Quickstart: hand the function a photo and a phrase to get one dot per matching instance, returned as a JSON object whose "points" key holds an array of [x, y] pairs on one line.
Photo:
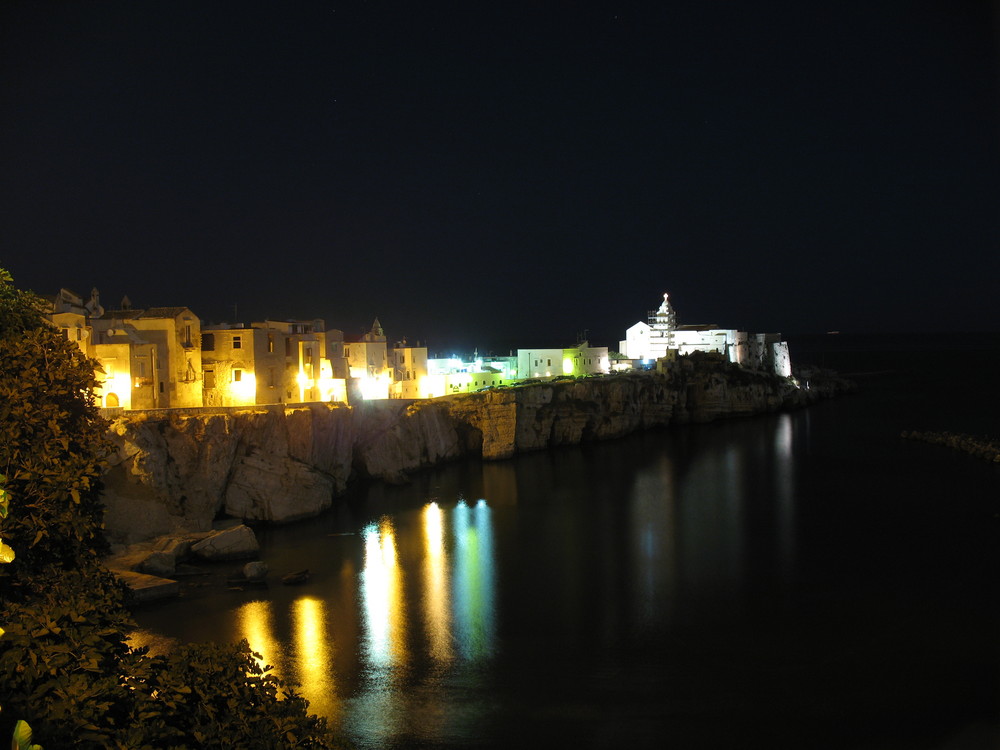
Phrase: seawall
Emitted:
{"points": [[178, 470]]}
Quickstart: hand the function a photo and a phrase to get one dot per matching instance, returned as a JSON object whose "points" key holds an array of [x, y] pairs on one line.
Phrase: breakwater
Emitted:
{"points": [[980, 447], [180, 470]]}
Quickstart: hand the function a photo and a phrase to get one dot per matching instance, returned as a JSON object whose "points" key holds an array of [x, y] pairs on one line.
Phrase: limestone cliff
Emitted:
{"points": [[181, 469]]}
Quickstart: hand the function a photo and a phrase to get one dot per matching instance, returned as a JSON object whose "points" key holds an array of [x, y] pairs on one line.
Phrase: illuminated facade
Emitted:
{"points": [[661, 338], [368, 363], [539, 363], [584, 359], [409, 371], [273, 362], [166, 353], [451, 375], [149, 358]]}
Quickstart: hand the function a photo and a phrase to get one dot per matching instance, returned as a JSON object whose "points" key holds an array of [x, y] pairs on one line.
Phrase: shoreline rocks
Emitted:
{"points": [[168, 558], [983, 448]]}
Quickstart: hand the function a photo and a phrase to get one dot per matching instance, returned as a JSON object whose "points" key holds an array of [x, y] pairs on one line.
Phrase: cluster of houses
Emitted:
{"points": [[163, 357]]}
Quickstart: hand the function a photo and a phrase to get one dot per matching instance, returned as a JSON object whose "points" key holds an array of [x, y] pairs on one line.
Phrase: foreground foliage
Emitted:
{"points": [[66, 667]]}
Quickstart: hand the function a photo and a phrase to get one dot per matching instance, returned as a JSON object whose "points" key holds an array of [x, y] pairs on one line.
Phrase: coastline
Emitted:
{"points": [[182, 476]]}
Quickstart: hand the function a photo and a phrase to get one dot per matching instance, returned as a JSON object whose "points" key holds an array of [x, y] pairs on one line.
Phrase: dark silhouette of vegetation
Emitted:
{"points": [[65, 664]]}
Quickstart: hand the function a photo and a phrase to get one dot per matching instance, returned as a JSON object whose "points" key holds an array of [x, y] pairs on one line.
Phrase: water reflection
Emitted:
{"points": [[455, 589], [784, 494], [256, 625], [313, 647], [474, 580], [436, 599], [654, 539], [382, 599]]}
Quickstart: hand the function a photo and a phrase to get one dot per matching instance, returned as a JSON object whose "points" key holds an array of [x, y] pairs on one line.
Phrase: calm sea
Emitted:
{"points": [[805, 579]]}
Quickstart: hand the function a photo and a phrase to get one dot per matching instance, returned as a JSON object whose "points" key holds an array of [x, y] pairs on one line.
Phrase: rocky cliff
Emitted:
{"points": [[181, 469]]}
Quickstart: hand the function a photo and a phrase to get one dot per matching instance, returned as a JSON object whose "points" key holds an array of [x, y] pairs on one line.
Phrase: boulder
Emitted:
{"points": [[162, 564], [255, 571], [176, 547], [230, 544]]}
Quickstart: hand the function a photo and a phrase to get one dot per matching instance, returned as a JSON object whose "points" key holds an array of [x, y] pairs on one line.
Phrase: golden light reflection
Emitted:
{"points": [[313, 663], [436, 599], [155, 642], [256, 624], [382, 595]]}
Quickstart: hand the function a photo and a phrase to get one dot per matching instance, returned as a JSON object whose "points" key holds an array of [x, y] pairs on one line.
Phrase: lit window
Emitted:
{"points": [[237, 375]]}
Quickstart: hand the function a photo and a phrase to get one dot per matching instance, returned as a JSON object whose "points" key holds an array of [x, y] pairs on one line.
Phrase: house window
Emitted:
{"points": [[288, 347], [237, 375], [208, 342], [209, 377], [270, 343], [550, 363], [237, 342]]}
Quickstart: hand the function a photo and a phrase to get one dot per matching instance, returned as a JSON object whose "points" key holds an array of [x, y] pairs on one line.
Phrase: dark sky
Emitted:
{"points": [[497, 174]]}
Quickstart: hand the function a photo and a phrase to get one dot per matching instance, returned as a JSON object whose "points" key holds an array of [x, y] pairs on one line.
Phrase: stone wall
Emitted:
{"points": [[178, 470]]}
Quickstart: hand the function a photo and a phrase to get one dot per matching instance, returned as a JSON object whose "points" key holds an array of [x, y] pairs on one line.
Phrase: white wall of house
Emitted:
{"points": [[539, 363]]}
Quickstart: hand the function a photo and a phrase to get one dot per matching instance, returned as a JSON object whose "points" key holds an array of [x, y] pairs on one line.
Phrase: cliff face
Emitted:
{"points": [[183, 468]]}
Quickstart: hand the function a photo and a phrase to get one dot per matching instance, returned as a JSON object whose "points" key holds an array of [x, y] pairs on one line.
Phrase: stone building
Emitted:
{"points": [[273, 362], [165, 343], [149, 358]]}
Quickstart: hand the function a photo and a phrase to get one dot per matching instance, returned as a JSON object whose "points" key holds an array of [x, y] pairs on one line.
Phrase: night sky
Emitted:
{"points": [[504, 174]]}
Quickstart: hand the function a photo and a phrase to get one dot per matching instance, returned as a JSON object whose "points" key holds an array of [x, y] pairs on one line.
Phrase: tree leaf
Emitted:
{"points": [[21, 739]]}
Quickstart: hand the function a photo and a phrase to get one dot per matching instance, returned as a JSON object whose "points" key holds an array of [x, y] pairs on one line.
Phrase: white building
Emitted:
{"points": [[409, 371], [661, 338], [368, 361]]}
